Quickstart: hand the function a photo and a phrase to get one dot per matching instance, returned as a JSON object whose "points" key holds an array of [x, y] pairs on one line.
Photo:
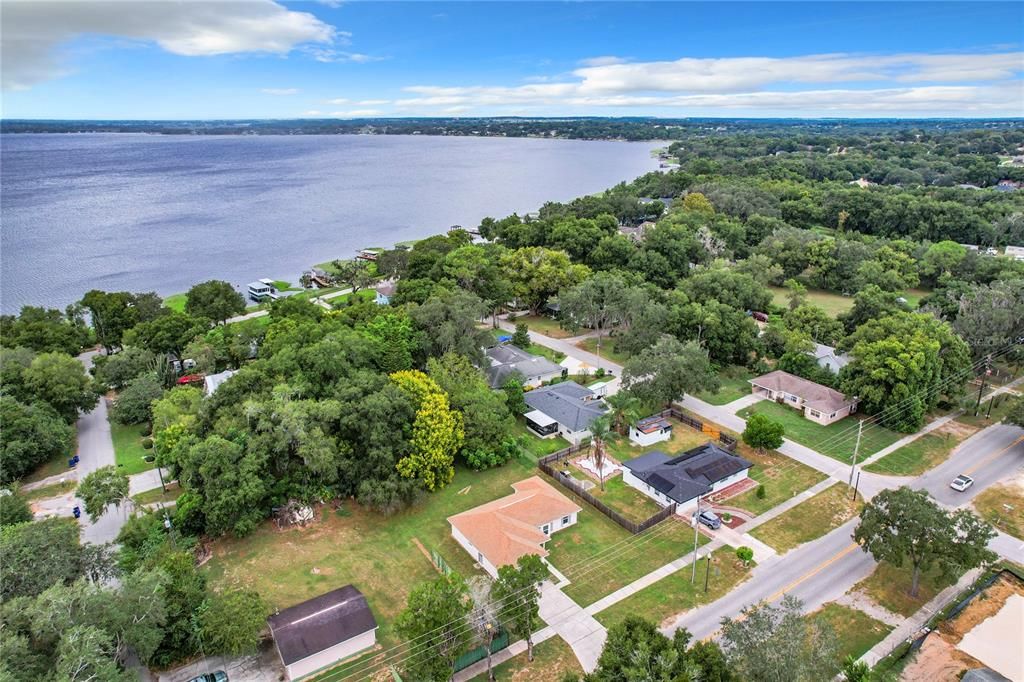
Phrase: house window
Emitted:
{"points": [[791, 398], [814, 413], [479, 557], [832, 415], [546, 529], [565, 520]]}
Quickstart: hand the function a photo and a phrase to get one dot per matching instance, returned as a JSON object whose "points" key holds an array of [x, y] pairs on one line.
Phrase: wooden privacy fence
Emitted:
{"points": [[727, 442]]}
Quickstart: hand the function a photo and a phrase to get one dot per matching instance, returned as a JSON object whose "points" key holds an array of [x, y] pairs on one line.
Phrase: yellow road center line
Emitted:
{"points": [[992, 456]]}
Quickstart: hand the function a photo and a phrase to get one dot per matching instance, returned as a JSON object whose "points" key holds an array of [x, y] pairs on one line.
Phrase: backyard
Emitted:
{"points": [[810, 520], [837, 440], [683, 438], [128, 451], [534, 446], [734, 385], [675, 593], [855, 632], [624, 499]]}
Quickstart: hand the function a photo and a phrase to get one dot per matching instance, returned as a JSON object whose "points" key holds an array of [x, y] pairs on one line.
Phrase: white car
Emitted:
{"points": [[961, 483]]}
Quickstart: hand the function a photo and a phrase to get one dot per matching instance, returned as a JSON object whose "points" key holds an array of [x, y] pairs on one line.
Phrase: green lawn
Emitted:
{"points": [[552, 658], [54, 466], [831, 302], [810, 519], [608, 351], [176, 302], [52, 490], [855, 631], [675, 593], [1002, 505], [915, 458], [128, 450], [544, 325], [836, 440], [536, 447], [376, 553], [683, 438], [346, 299], [157, 495], [780, 476], [624, 499], [734, 385], [572, 551], [889, 586]]}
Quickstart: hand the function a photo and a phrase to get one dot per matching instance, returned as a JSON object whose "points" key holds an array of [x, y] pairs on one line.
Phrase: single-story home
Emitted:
{"points": [[818, 403], [684, 478], [650, 430], [566, 409], [385, 290], [499, 532], [506, 359], [213, 381], [322, 631], [829, 358]]}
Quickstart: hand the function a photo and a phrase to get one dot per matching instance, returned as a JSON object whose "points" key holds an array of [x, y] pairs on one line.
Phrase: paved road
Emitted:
{"points": [[989, 456], [319, 300]]}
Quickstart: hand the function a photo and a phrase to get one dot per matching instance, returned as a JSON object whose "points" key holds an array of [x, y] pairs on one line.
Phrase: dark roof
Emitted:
{"points": [[320, 623], [688, 475], [506, 359], [984, 675], [652, 424], [568, 403]]}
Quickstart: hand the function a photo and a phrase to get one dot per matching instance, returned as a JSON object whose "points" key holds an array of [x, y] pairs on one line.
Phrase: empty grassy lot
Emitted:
{"points": [[128, 451], [923, 454], [832, 303], [734, 385], [552, 659], [544, 325], [608, 351], [836, 440], [780, 476], [376, 553], [889, 586], [811, 519], [1003, 506], [675, 593], [855, 631]]}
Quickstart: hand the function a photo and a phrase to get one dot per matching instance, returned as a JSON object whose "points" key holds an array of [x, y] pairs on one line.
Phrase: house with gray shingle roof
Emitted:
{"points": [[685, 477], [506, 359], [829, 358], [566, 409]]}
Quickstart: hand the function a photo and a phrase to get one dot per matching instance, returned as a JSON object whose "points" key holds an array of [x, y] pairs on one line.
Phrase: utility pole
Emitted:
{"points": [[706, 574], [988, 413], [856, 449], [981, 389], [856, 487], [696, 535]]}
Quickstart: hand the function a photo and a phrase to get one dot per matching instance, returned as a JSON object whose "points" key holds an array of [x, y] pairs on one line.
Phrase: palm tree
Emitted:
{"points": [[625, 410], [600, 429]]}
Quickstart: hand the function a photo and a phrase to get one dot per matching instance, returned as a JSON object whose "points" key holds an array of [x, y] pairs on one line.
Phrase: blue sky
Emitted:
{"points": [[266, 59]]}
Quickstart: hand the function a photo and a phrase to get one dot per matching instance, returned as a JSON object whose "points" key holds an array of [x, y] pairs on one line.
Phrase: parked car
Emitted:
{"points": [[216, 676], [961, 483], [710, 519]]}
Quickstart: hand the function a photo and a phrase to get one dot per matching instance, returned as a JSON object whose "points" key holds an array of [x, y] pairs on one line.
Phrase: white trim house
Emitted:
{"points": [[684, 478], [566, 409], [818, 403]]}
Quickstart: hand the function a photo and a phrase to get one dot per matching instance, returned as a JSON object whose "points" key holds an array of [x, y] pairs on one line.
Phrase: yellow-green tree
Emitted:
{"points": [[437, 431]]}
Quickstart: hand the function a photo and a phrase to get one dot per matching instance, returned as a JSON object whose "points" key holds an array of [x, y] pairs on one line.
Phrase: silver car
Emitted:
{"points": [[961, 483], [217, 676]]}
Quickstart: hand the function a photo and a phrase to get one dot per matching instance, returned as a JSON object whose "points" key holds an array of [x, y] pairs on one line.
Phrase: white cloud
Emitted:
{"points": [[602, 61], [338, 100], [280, 91], [327, 55], [373, 102], [313, 112], [33, 30], [357, 113]]}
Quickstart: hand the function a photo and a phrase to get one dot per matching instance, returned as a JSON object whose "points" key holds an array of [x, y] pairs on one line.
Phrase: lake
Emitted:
{"points": [[160, 213]]}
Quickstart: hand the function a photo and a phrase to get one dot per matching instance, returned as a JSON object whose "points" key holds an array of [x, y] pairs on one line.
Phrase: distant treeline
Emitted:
{"points": [[572, 128]]}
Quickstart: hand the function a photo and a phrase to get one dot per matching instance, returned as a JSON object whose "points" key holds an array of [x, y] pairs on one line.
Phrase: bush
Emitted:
{"points": [[761, 492], [147, 443], [763, 432], [14, 509], [745, 554]]}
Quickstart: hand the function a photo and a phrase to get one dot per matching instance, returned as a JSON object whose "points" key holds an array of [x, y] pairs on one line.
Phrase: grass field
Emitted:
{"points": [[552, 658], [55, 465], [157, 495], [377, 554], [889, 586], [830, 302], [734, 386], [1003, 506], [855, 631], [608, 351], [176, 302], [544, 325], [916, 458], [52, 490], [572, 551], [811, 519], [836, 440], [780, 476], [624, 499], [345, 299], [675, 593], [128, 450]]}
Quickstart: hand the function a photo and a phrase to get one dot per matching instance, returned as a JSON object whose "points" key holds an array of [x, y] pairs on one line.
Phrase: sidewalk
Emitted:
{"points": [[574, 624], [914, 623]]}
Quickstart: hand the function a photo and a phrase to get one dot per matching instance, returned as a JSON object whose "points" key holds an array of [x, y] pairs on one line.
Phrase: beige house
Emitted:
{"points": [[319, 632], [496, 534], [818, 403]]}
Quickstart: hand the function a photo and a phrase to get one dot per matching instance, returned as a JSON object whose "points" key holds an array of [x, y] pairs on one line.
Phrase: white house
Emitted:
{"points": [[566, 409], [684, 478], [499, 532], [818, 403], [829, 358], [213, 381], [506, 360], [650, 431], [320, 632], [261, 289]]}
